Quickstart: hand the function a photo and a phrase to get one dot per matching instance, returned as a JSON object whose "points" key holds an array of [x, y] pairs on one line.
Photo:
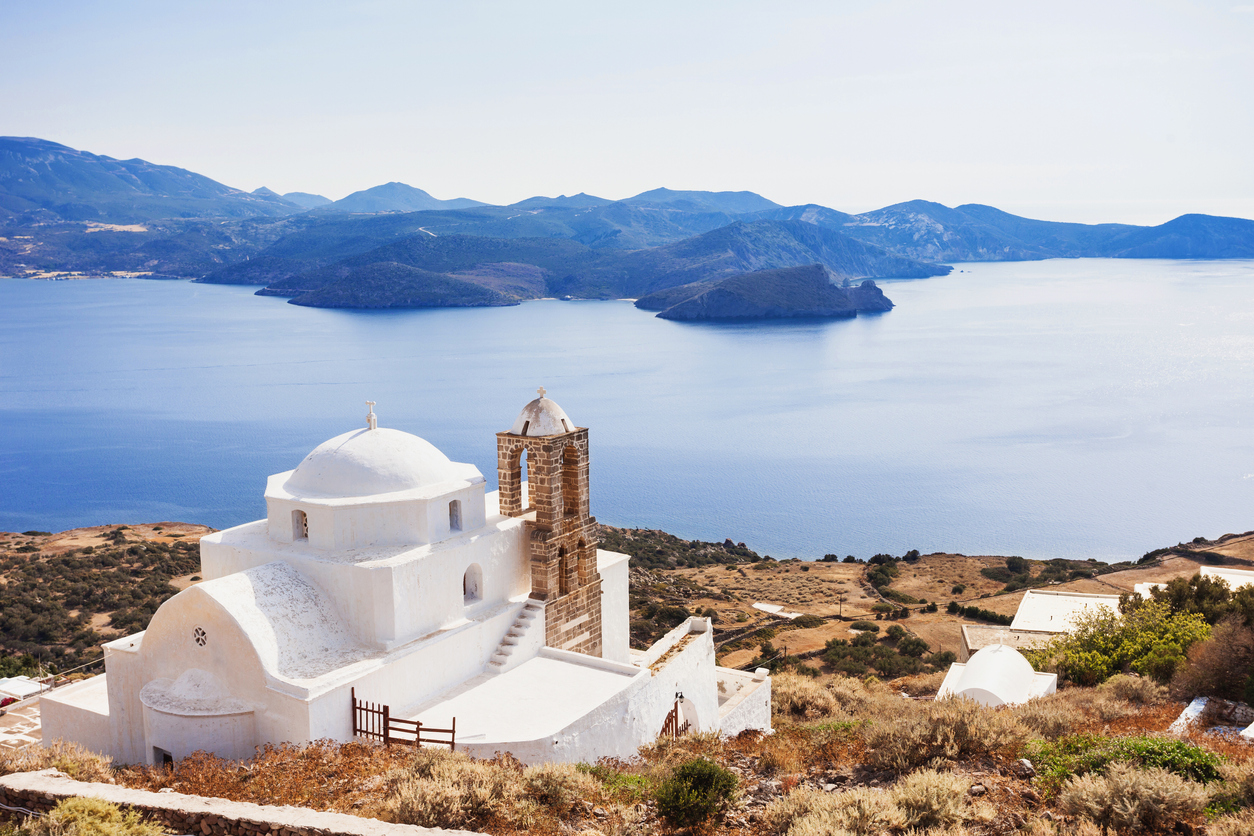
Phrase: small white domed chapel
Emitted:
{"points": [[388, 595]]}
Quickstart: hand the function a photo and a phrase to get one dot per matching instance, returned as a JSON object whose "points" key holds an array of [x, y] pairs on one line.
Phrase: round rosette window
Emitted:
{"points": [[200, 636]]}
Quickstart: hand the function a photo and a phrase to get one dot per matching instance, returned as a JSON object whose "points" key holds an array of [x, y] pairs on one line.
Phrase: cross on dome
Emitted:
{"points": [[542, 391], [372, 421]]}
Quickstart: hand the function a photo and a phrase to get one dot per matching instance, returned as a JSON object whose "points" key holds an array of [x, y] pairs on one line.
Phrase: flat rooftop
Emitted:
{"points": [[540, 697], [1055, 612]]}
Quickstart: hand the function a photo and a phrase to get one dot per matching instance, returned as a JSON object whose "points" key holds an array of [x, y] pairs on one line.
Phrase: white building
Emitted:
{"points": [[1235, 578], [1055, 612], [385, 573], [994, 676]]}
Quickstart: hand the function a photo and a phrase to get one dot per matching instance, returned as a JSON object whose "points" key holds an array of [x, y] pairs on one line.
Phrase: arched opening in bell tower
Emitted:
{"points": [[572, 490]]}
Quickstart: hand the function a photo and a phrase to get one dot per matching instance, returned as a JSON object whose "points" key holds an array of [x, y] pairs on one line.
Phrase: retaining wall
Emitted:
{"points": [[193, 814]]}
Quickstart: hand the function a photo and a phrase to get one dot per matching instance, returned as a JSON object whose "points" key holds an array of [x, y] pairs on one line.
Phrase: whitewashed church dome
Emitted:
{"points": [[542, 417], [368, 462]]}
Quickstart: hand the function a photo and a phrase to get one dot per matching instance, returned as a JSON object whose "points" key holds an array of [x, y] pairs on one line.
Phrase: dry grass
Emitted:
{"points": [[941, 731], [1139, 690], [71, 758], [923, 802], [1128, 799], [324, 775], [451, 790], [921, 685], [1235, 824], [801, 697], [92, 817]]}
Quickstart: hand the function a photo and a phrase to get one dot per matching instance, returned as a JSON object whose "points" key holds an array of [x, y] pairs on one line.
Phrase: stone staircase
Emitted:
{"points": [[504, 658]]}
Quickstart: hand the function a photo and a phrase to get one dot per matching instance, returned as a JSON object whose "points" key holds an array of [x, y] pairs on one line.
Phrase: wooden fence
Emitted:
{"points": [[375, 722], [672, 727]]}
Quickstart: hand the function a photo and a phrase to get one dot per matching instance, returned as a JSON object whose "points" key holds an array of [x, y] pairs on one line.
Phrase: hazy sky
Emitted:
{"points": [[1092, 111]]}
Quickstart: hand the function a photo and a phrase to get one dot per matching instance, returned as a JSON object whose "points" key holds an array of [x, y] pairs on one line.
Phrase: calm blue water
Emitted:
{"points": [[1085, 408]]}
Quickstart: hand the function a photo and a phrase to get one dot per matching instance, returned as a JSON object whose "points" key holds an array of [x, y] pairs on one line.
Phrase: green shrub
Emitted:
{"points": [[698, 790], [627, 787], [1080, 754], [868, 626], [1149, 640]]}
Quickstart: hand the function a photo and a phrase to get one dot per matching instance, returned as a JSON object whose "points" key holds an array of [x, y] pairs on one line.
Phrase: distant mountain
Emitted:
{"points": [[578, 201], [306, 200], [733, 203], [396, 197], [761, 245], [1190, 236], [42, 181], [811, 213], [392, 285], [532, 267], [807, 291], [973, 232]]}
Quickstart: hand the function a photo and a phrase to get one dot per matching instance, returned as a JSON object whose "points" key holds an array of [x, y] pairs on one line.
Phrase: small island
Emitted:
{"points": [[791, 292]]}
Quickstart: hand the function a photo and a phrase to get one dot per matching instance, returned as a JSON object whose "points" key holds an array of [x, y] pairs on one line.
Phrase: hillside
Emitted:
{"points": [[392, 285], [859, 745], [70, 212], [44, 181], [62, 595], [768, 294], [569, 268]]}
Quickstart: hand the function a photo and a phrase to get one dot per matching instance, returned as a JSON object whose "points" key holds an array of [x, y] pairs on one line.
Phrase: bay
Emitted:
{"points": [[1066, 408]]}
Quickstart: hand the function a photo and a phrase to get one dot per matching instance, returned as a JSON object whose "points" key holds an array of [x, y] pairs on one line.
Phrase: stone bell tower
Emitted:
{"points": [[562, 539]]}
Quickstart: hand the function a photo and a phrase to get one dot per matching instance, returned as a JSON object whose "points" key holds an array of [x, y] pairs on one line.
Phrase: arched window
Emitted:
{"points": [[522, 479], [472, 584], [571, 498], [300, 526], [455, 515], [563, 570]]}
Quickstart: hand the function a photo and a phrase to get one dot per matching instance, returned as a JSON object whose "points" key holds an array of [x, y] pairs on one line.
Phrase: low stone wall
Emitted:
{"points": [[193, 814]]}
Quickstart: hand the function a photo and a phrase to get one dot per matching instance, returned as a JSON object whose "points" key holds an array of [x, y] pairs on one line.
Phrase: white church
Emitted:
{"points": [[388, 593]]}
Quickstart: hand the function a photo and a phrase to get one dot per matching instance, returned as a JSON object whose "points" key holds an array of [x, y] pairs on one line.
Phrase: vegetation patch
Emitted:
{"points": [[1079, 754], [697, 791]]}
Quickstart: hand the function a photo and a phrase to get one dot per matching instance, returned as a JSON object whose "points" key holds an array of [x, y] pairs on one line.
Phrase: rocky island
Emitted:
{"points": [[809, 291]]}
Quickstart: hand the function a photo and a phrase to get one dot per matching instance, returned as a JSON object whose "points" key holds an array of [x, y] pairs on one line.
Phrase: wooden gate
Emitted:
{"points": [[672, 727], [375, 722]]}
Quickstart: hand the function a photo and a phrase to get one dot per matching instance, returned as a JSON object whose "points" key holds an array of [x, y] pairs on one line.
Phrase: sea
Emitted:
{"points": [[1086, 408]]}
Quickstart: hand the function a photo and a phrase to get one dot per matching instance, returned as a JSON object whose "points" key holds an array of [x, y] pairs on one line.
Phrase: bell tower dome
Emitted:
{"points": [[562, 539]]}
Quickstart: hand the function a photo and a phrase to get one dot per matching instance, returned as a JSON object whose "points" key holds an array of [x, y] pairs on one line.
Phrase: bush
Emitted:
{"points": [[868, 626], [935, 732], [1220, 666], [1081, 754], [93, 817], [918, 803], [1237, 824], [1140, 690], [71, 758], [452, 790], [797, 696], [1149, 640], [930, 799], [558, 784], [1127, 798], [698, 790]]}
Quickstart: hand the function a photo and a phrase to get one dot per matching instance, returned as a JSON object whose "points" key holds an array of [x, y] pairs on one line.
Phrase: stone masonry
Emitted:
{"points": [[563, 538]]}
